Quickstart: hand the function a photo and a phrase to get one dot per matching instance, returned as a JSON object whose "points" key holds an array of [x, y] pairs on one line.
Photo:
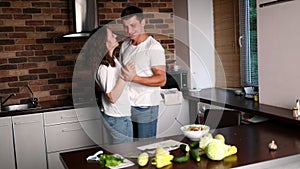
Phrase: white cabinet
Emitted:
{"points": [[7, 157], [29, 141], [167, 125], [68, 130]]}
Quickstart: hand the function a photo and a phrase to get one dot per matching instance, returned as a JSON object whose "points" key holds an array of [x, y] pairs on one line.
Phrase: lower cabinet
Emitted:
{"points": [[68, 130], [34, 141], [28, 131], [7, 156]]}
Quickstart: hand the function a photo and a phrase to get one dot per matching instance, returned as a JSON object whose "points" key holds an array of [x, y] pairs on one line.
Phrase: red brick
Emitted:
{"points": [[24, 29], [5, 16], [48, 87], [34, 22], [44, 28], [22, 16], [43, 52], [12, 10], [8, 67], [47, 76], [58, 92], [25, 53], [38, 82], [31, 10], [7, 42], [51, 10], [5, 4], [27, 77], [37, 59], [54, 22], [17, 60], [40, 4], [38, 71], [3, 61], [34, 47], [25, 41], [17, 84], [17, 35], [8, 79], [27, 65], [14, 48]]}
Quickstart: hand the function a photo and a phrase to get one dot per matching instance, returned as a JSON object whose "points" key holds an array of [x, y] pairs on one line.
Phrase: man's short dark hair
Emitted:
{"points": [[131, 11]]}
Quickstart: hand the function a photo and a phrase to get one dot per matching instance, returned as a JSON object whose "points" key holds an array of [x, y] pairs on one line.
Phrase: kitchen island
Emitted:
{"points": [[252, 141]]}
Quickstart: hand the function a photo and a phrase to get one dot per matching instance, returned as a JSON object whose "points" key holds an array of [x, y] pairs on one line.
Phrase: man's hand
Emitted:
{"points": [[128, 72]]}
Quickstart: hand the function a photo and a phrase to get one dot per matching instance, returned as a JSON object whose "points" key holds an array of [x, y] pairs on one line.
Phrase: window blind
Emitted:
{"points": [[248, 43]]}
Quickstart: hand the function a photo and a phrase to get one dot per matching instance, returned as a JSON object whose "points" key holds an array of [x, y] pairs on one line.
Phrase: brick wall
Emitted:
{"points": [[34, 54]]}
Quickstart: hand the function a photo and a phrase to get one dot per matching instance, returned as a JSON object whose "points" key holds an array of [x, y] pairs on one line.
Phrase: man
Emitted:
{"points": [[148, 76]]}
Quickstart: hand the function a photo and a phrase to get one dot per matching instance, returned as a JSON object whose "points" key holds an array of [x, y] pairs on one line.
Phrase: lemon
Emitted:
{"points": [[143, 159]]}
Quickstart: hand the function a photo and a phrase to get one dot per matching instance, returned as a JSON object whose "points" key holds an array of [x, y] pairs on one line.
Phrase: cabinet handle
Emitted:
{"points": [[69, 130], [26, 122], [62, 117], [4, 125]]}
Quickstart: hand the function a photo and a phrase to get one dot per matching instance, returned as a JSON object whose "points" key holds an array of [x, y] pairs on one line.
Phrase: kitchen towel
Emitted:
{"points": [[172, 96]]}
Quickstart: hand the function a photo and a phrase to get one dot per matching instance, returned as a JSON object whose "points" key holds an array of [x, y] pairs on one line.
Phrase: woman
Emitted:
{"points": [[114, 96]]}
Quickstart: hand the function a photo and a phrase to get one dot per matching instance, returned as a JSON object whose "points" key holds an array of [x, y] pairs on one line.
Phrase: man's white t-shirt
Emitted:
{"points": [[107, 78], [145, 55]]}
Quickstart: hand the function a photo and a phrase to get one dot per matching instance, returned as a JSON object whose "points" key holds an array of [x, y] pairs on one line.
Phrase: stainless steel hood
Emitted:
{"points": [[85, 18]]}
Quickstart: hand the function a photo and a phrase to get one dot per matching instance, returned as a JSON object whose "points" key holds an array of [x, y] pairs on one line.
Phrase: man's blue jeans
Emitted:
{"points": [[120, 129], [144, 121]]}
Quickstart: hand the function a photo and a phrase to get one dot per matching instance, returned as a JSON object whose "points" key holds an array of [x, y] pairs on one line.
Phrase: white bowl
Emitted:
{"points": [[192, 134]]}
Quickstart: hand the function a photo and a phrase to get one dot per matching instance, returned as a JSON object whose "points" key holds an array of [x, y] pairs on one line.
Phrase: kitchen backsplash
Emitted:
{"points": [[34, 53]]}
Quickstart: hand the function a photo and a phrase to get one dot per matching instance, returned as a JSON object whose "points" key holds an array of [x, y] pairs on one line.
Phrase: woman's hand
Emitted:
{"points": [[128, 72]]}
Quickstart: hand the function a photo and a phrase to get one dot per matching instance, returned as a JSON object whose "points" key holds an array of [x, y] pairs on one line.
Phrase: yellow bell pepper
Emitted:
{"points": [[162, 158]]}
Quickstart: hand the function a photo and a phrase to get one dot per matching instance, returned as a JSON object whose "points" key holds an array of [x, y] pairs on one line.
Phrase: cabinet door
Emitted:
{"points": [[7, 157], [29, 141]]}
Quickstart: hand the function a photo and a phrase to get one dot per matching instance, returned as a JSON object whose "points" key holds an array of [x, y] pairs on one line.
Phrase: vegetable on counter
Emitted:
{"points": [[162, 158], [195, 155], [143, 159], [184, 147], [181, 159], [215, 148], [194, 144], [109, 160]]}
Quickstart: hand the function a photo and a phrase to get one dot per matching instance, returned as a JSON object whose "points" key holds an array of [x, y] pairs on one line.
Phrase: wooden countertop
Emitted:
{"points": [[252, 141], [227, 98]]}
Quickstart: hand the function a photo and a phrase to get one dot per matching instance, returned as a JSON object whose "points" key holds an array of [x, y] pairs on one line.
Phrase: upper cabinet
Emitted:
{"points": [[278, 52]]}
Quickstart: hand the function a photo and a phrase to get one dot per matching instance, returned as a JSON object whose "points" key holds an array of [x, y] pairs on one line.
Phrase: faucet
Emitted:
{"points": [[33, 100], [11, 95]]}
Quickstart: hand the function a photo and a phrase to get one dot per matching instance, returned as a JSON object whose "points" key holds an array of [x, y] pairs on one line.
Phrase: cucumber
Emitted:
{"points": [[194, 144], [184, 147], [195, 155], [181, 159]]}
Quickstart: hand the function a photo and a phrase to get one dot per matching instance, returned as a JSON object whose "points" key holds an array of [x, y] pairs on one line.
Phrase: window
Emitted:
{"points": [[248, 43]]}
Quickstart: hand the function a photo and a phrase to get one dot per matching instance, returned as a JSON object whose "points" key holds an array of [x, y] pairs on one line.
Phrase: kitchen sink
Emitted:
{"points": [[15, 107]]}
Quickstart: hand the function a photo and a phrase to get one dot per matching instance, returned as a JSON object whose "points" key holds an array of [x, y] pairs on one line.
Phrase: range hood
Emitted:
{"points": [[85, 18]]}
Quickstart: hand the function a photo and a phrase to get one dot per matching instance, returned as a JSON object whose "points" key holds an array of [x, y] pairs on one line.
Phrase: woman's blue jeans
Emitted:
{"points": [[144, 121], [120, 128]]}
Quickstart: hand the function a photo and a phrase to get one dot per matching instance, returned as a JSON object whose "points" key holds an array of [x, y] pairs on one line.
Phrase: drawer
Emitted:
{"points": [[71, 115], [66, 136]]}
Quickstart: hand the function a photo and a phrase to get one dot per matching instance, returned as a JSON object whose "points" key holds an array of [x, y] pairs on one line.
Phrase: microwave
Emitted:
{"points": [[180, 77]]}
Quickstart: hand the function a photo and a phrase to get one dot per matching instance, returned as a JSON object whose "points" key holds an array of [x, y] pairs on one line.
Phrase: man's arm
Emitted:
{"points": [[157, 79]]}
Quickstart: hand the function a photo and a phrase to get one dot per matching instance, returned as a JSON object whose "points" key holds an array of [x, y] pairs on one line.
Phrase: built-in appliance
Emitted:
{"points": [[181, 77]]}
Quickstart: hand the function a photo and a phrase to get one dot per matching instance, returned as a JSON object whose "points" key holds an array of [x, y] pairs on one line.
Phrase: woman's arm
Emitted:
{"points": [[116, 91]]}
